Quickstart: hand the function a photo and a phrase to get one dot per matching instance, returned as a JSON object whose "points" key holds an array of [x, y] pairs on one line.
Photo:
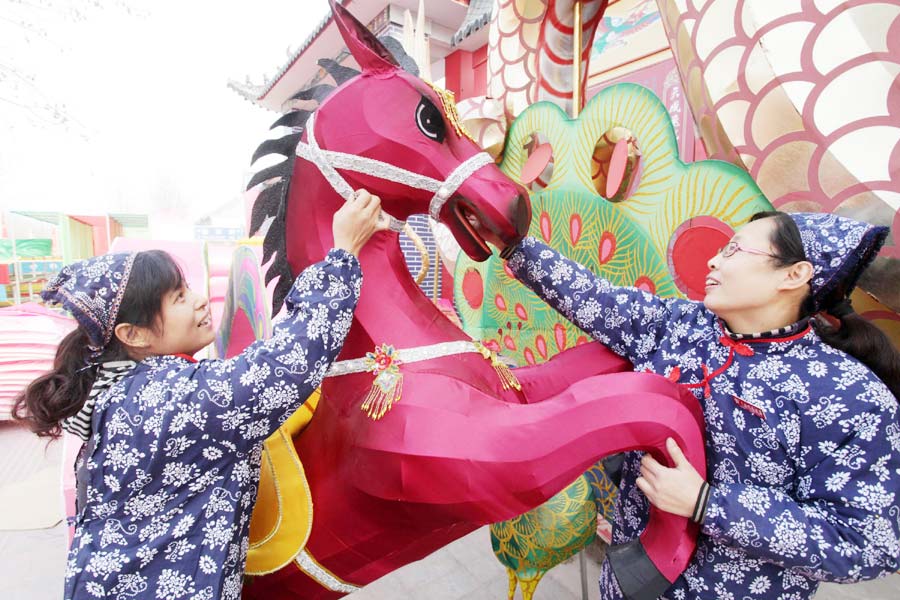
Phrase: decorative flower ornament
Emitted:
{"points": [[388, 385], [385, 363]]}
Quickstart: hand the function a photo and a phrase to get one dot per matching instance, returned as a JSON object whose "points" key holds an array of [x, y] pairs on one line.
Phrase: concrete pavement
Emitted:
{"points": [[468, 570]]}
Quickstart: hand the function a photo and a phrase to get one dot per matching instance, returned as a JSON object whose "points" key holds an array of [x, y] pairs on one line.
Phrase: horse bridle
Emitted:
{"points": [[328, 161], [637, 575]]}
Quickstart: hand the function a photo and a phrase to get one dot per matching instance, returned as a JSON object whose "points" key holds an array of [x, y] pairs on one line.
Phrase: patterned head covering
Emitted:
{"points": [[839, 249], [92, 291]]}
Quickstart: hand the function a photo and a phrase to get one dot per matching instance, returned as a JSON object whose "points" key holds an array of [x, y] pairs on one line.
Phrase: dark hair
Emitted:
{"points": [[61, 393], [852, 333]]}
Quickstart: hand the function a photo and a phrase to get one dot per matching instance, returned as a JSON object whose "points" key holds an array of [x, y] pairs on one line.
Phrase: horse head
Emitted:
{"points": [[470, 443], [388, 131]]}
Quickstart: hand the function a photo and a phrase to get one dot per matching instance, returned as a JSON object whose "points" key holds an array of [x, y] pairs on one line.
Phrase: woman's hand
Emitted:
{"points": [[357, 220], [673, 490]]}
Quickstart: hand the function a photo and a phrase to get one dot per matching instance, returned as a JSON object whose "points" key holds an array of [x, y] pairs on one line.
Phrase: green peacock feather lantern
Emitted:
{"points": [[654, 226]]}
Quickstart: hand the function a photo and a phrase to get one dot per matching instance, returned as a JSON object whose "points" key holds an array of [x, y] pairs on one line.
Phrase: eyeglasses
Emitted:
{"points": [[731, 248]]}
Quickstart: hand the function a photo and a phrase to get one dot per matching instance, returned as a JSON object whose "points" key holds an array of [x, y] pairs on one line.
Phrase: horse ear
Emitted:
{"points": [[362, 44]]}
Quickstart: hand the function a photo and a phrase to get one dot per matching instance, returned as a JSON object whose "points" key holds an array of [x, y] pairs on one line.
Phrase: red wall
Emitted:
{"points": [[466, 73]]}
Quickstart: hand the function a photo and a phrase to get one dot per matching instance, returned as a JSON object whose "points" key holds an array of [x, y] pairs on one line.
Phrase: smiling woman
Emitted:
{"points": [[747, 291], [184, 326], [803, 451], [171, 462]]}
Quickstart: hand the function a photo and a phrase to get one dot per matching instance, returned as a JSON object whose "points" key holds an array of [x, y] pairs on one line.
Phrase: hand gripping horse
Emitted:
{"points": [[392, 478]]}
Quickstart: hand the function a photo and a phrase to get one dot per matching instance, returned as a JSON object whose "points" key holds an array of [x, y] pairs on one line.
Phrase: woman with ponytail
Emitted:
{"points": [[51, 402], [167, 476], [799, 395], [830, 311]]}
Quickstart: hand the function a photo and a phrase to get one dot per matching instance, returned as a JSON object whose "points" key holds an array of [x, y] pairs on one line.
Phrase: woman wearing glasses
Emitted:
{"points": [[800, 400]]}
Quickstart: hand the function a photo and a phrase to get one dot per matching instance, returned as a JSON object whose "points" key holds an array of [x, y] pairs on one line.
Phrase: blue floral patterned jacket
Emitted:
{"points": [[171, 478], [803, 441]]}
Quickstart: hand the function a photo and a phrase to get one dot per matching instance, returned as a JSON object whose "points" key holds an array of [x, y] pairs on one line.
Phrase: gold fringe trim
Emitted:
{"points": [[507, 377], [448, 101], [383, 395]]}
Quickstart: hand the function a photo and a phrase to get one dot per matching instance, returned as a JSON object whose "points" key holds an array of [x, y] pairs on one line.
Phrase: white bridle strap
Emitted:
{"points": [[456, 179], [328, 161], [403, 356]]}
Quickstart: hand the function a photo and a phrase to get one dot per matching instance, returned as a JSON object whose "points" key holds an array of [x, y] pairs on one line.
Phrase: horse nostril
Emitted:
{"points": [[521, 214]]}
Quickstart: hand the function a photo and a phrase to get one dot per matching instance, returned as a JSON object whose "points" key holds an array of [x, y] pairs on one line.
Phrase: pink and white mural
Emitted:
{"points": [[805, 95]]}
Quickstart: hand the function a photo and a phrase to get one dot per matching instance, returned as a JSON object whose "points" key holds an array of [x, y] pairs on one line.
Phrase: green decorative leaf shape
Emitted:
{"points": [[667, 196]]}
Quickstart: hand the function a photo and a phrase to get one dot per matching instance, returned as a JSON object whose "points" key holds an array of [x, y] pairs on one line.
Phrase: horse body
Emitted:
{"points": [[458, 450]]}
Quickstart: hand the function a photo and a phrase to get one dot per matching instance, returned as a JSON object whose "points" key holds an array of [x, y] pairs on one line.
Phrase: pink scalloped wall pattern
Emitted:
{"points": [[805, 95], [530, 51], [29, 335]]}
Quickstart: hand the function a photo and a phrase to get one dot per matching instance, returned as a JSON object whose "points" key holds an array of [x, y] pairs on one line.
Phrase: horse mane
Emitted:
{"points": [[270, 206]]}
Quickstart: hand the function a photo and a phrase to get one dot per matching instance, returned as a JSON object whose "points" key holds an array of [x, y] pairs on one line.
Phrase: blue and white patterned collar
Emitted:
{"points": [[772, 335]]}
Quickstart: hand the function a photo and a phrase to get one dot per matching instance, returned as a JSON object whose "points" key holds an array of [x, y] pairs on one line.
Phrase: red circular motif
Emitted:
{"points": [[690, 248], [473, 288]]}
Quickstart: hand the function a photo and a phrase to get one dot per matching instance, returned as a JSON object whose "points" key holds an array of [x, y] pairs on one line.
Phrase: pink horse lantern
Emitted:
{"points": [[469, 443]]}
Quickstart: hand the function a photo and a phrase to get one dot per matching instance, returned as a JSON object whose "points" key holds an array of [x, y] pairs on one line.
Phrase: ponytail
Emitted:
{"points": [[842, 329], [62, 392], [866, 342]]}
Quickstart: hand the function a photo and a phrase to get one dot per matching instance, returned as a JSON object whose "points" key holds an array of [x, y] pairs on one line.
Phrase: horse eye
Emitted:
{"points": [[429, 120]]}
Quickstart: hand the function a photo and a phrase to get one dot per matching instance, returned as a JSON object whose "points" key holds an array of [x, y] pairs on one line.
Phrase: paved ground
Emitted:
{"points": [[467, 570], [32, 563]]}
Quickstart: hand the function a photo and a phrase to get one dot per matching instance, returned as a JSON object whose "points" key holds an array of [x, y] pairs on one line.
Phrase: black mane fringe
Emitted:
{"points": [[338, 72], [272, 200]]}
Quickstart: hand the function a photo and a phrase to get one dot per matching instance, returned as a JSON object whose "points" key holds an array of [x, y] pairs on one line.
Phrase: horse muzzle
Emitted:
{"points": [[474, 226]]}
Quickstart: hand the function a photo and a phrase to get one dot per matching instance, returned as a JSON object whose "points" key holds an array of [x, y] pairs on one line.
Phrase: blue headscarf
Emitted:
{"points": [[839, 249], [92, 291]]}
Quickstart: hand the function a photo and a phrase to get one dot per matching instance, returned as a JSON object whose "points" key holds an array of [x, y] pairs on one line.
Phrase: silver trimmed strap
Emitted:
{"points": [[311, 152], [369, 166], [456, 179], [408, 355], [317, 156], [328, 161], [309, 566]]}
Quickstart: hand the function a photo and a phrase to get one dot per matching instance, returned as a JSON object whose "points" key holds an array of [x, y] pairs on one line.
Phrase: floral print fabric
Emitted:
{"points": [[803, 441], [170, 480], [92, 290], [839, 249]]}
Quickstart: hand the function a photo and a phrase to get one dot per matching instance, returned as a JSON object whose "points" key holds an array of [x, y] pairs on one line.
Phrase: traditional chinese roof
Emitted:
{"points": [[444, 18], [478, 15], [257, 92]]}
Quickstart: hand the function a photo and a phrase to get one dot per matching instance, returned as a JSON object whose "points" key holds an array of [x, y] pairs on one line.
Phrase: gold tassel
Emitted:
{"points": [[380, 400], [448, 102], [507, 377], [388, 385]]}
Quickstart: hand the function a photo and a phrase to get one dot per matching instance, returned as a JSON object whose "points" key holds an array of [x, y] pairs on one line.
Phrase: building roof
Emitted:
{"points": [[478, 15], [443, 16], [255, 93]]}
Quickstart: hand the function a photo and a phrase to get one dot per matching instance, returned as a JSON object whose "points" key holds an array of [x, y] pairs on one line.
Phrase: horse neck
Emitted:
{"points": [[392, 308]]}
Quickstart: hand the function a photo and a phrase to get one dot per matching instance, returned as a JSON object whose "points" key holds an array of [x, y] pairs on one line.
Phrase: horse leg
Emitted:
{"points": [[570, 366], [484, 460]]}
